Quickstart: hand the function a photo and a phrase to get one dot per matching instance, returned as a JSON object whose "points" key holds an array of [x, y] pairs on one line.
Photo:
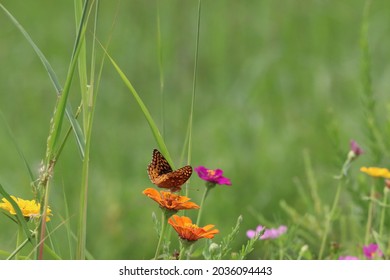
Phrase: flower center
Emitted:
{"points": [[211, 173], [190, 225]]}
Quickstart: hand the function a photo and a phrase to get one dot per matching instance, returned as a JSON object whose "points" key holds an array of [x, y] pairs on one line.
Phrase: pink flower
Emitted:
{"points": [[252, 233], [354, 150], [273, 233], [270, 233], [372, 251], [213, 176], [347, 258]]}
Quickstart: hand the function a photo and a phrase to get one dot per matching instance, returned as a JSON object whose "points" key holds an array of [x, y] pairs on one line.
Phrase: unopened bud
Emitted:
{"points": [[214, 248]]}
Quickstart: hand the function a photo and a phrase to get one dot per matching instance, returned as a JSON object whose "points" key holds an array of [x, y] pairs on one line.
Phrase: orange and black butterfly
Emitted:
{"points": [[162, 175]]}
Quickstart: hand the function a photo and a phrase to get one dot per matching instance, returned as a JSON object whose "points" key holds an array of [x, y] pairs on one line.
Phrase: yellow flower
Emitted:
{"points": [[30, 208], [189, 231], [376, 172], [170, 201]]}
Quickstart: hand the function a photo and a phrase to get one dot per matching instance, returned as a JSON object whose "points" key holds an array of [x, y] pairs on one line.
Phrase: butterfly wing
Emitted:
{"points": [[162, 175], [158, 166], [173, 180]]}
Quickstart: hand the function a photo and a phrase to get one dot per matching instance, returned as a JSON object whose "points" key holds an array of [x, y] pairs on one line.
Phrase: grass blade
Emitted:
{"points": [[62, 103], [75, 125], [156, 133], [160, 67], [191, 117], [88, 100]]}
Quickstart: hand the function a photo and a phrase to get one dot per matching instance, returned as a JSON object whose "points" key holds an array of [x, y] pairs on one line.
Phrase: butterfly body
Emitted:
{"points": [[161, 174]]}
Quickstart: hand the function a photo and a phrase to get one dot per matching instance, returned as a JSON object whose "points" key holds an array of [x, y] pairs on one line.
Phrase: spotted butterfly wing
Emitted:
{"points": [[162, 175]]}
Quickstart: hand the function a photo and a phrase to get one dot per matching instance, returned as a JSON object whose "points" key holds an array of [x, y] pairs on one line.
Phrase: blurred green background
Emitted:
{"points": [[274, 78]]}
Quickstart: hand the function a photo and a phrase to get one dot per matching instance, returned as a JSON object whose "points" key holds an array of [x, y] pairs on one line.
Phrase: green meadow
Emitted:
{"points": [[271, 92]]}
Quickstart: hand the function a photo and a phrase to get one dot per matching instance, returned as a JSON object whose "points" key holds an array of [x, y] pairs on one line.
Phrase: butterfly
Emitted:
{"points": [[162, 175]]}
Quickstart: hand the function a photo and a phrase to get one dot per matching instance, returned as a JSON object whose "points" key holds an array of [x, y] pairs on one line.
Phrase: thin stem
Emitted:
{"points": [[42, 227], [383, 214], [161, 69], [88, 97], [206, 192], [182, 251], [190, 122], [330, 218], [370, 212], [19, 241], [164, 221], [19, 244], [281, 251], [185, 249]]}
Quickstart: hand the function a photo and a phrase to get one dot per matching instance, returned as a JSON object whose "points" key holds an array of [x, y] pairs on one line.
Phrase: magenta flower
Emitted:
{"points": [[372, 251], [348, 258], [270, 233], [212, 176]]}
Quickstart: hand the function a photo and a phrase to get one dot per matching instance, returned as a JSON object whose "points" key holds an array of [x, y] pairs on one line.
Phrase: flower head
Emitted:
{"points": [[30, 208], [270, 233], [376, 172], [372, 250], [189, 231], [355, 148], [348, 258], [212, 175], [170, 201]]}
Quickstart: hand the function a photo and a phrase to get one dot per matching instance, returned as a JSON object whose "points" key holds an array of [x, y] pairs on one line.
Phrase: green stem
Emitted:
{"points": [[161, 68], [185, 249], [42, 226], [330, 218], [182, 251], [88, 96], [193, 87], [43, 222], [383, 214], [19, 244], [370, 212], [206, 192], [19, 241], [164, 221], [281, 249]]}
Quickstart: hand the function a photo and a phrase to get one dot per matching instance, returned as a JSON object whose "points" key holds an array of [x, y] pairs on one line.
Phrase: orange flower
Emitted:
{"points": [[376, 172], [170, 201], [189, 231]]}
